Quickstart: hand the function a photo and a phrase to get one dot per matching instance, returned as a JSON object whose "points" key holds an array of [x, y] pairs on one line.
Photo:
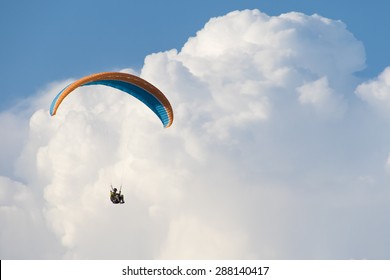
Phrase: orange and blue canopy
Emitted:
{"points": [[133, 85]]}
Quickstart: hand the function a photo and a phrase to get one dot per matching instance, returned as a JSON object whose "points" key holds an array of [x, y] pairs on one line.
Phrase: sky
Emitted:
{"points": [[55, 40], [279, 147]]}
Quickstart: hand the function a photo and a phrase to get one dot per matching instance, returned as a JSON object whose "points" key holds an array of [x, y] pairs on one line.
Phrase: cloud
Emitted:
{"points": [[271, 154], [320, 96], [377, 91]]}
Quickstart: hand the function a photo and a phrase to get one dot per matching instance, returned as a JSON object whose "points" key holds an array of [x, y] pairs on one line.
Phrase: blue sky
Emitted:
{"points": [[46, 41]]}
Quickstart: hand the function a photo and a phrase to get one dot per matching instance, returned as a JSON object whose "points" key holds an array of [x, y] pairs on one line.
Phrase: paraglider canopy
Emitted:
{"points": [[133, 85]]}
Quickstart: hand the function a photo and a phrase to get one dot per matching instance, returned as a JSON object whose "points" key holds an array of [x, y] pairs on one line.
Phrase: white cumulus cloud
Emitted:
{"points": [[377, 91], [271, 155]]}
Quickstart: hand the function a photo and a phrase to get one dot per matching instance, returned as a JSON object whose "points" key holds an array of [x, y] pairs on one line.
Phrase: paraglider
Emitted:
{"points": [[133, 85], [115, 196], [139, 88]]}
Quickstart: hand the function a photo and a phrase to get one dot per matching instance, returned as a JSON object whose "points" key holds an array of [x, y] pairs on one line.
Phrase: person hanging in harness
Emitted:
{"points": [[115, 196]]}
